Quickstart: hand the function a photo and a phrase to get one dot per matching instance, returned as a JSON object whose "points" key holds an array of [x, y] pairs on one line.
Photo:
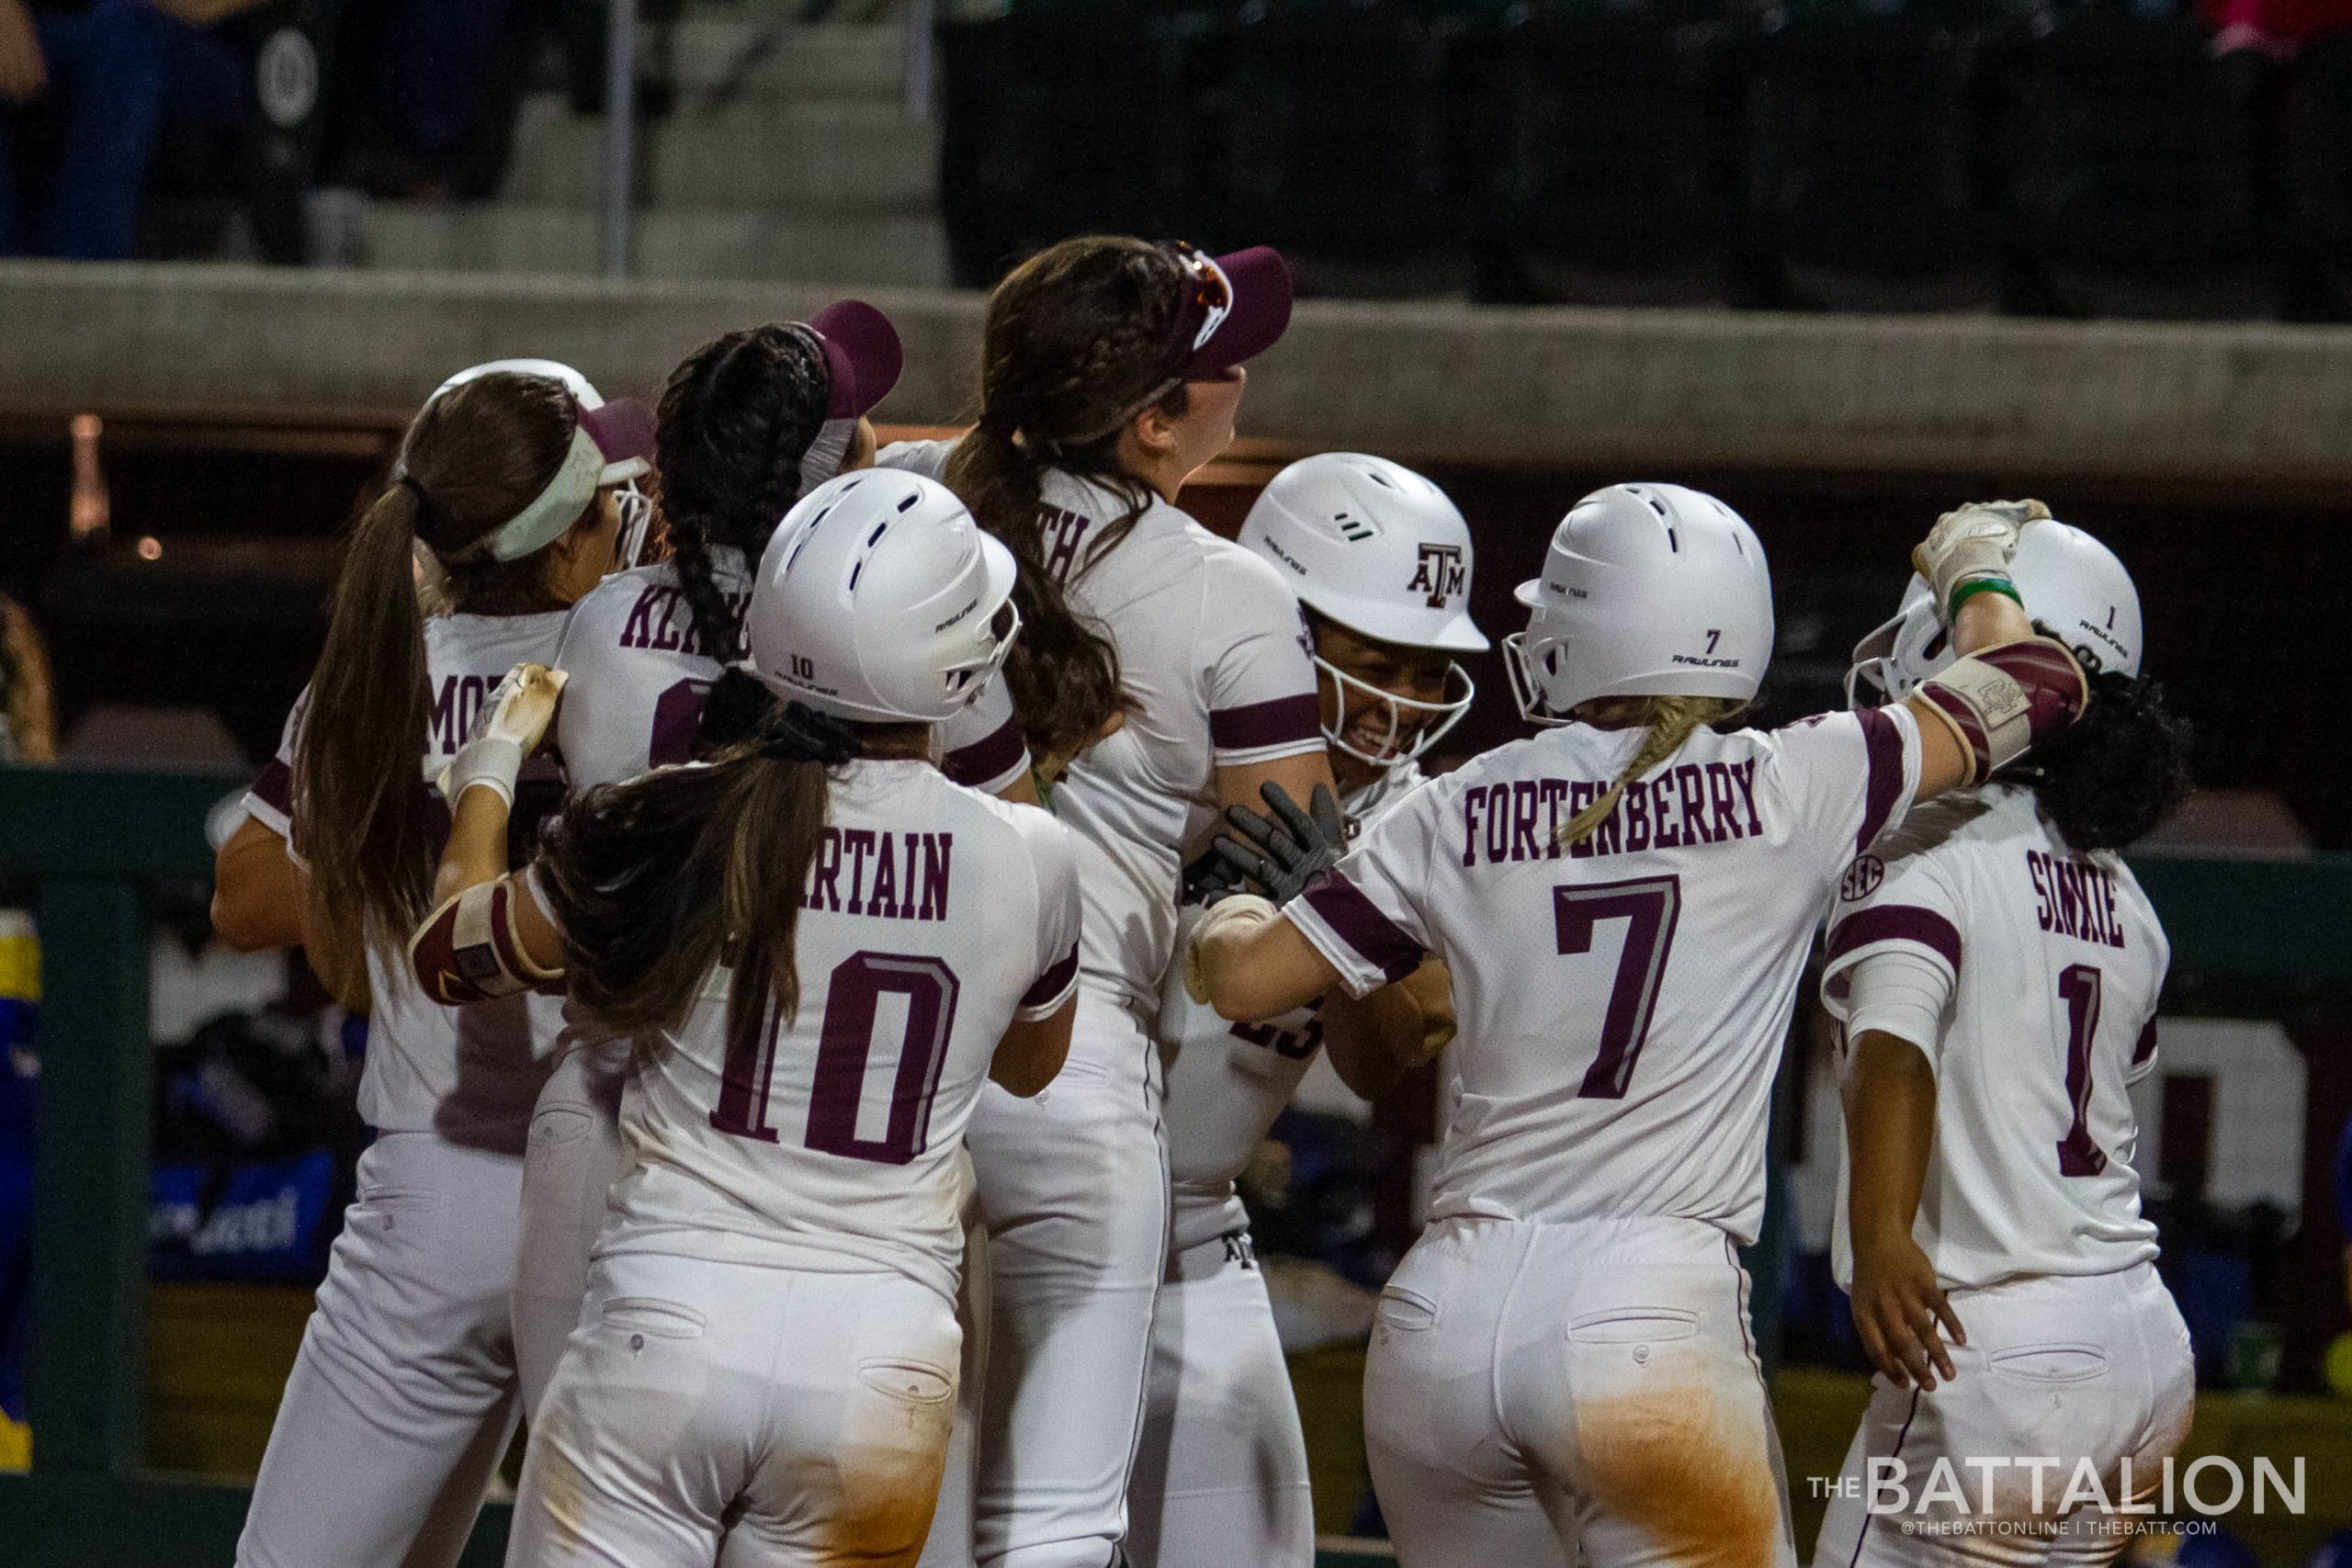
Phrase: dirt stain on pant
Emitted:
{"points": [[1690, 1468], [874, 1497]]}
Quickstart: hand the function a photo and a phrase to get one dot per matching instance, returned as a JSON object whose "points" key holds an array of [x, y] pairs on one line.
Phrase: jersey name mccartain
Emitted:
{"points": [[2075, 898], [876, 872], [1694, 804]]}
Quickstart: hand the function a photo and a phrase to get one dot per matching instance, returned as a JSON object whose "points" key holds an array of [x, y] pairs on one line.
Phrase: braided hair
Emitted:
{"points": [[1667, 722], [735, 418]]}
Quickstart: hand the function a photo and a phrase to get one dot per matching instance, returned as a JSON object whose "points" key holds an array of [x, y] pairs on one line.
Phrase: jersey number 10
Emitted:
{"points": [[850, 1089]]}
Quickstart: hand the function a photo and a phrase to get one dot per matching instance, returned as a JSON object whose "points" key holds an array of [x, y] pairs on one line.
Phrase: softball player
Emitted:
{"points": [[1381, 561], [1625, 904], [1997, 969], [401, 1398], [821, 947], [1110, 372], [746, 423]]}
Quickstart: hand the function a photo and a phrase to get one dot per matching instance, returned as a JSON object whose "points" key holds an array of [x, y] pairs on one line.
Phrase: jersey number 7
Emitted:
{"points": [[1649, 906]]}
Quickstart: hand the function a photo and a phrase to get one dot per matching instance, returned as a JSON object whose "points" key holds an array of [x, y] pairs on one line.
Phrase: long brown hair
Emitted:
{"points": [[1076, 340], [657, 880], [473, 458]]}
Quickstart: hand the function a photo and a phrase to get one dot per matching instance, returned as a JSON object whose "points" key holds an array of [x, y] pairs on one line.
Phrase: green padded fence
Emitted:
{"points": [[92, 841]]}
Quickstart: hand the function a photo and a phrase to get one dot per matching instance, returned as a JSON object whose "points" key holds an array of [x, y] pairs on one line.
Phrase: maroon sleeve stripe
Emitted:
{"points": [[1896, 922], [987, 760], [274, 787], [1276, 723], [1053, 982], [1883, 742], [2145, 1046], [434, 958], [2053, 686], [502, 934], [1359, 924]]}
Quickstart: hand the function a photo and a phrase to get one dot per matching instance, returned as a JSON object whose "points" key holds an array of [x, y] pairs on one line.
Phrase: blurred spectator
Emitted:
{"points": [[439, 91], [111, 73], [28, 714], [2273, 27]]}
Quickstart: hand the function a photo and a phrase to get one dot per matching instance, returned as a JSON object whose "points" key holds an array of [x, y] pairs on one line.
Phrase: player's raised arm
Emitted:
{"points": [[488, 935], [2010, 688]]}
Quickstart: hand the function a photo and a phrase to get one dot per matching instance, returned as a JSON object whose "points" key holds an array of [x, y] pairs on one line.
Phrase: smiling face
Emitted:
{"points": [[1414, 674]]}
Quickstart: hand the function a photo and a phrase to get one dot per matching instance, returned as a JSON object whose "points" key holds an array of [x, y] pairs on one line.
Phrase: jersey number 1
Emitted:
{"points": [[851, 1091], [2080, 986], [1650, 906]]}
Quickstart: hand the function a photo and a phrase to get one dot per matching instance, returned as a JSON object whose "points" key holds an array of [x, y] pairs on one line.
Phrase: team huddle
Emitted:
{"points": [[837, 922]]}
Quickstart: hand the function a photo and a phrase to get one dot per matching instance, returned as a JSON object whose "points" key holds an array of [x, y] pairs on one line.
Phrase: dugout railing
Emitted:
{"points": [[92, 842]]}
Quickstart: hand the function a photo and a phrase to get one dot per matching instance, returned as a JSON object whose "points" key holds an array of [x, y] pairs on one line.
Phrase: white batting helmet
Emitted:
{"points": [[1647, 590], [877, 599], [1378, 548], [2073, 587]]}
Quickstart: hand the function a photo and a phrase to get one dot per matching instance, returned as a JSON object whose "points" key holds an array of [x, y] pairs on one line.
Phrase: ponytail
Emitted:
{"points": [[359, 754], [1668, 722], [2119, 771], [657, 881], [473, 457], [1062, 674]]}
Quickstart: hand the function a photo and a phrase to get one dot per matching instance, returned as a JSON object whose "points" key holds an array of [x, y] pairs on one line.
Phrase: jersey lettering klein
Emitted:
{"points": [[832, 1143], [1620, 1008], [2054, 960]]}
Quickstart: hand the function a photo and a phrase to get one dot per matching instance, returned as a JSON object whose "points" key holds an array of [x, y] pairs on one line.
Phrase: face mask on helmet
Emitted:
{"points": [[1395, 714]]}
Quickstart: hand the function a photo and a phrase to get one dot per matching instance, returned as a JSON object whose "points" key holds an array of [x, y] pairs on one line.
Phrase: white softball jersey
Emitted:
{"points": [[2052, 960], [638, 671], [1621, 1003], [935, 916], [469, 1074], [1226, 1082], [1213, 654]]}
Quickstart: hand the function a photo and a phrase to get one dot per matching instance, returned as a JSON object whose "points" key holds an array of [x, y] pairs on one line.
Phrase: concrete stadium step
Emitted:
{"points": [[872, 250], [743, 49], [836, 155]]}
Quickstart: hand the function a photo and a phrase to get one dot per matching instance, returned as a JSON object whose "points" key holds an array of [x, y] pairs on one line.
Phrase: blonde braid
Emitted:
{"points": [[1668, 722]]}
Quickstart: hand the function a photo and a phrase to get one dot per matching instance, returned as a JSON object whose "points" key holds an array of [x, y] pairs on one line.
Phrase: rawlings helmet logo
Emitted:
{"points": [[1438, 573]]}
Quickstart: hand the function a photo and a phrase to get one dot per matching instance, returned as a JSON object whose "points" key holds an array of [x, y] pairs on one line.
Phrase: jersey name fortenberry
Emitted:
{"points": [[1520, 820]]}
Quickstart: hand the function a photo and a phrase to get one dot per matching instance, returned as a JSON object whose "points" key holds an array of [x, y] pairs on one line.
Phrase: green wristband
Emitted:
{"points": [[1975, 585]]}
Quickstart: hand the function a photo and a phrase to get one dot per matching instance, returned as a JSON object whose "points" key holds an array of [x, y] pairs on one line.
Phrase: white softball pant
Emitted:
{"points": [[2057, 1367], [1533, 1385], [1220, 1479], [1074, 1188], [571, 1163], [403, 1398], [747, 1416], [576, 1153]]}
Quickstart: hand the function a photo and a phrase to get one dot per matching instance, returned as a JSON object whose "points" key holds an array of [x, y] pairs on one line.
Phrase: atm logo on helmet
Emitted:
{"points": [[1439, 573]]}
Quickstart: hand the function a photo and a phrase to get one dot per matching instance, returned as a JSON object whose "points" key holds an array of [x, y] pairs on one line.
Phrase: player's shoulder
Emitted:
{"points": [[1008, 827], [614, 600], [927, 457], [476, 643], [1231, 566]]}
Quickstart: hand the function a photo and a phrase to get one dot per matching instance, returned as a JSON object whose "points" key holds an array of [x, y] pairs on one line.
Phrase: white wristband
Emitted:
{"points": [[490, 760]]}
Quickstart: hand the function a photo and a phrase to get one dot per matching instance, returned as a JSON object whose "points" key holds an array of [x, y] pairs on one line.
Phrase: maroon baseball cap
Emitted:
{"points": [[623, 432], [862, 354], [1237, 306]]}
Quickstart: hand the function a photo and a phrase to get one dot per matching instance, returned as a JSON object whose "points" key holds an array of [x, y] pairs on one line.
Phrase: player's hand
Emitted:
{"points": [[1294, 847], [512, 722], [24, 71], [1972, 542], [1897, 1306]]}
